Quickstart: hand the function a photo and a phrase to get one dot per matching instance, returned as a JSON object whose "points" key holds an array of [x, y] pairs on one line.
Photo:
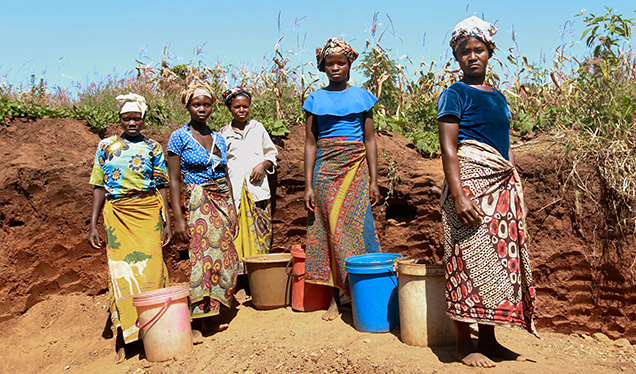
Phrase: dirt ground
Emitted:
{"points": [[52, 284], [64, 334]]}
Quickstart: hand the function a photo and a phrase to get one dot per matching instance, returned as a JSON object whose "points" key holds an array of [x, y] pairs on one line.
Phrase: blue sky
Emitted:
{"points": [[82, 41]]}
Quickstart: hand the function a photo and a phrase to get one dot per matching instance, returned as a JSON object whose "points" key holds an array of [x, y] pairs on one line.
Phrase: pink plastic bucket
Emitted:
{"points": [[164, 320]]}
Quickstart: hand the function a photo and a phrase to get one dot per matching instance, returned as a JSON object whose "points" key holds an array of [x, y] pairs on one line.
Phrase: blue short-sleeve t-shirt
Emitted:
{"points": [[197, 164], [339, 114], [483, 115]]}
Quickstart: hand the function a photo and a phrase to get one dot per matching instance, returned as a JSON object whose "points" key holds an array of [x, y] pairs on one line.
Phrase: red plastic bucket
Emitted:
{"points": [[164, 321], [306, 297]]}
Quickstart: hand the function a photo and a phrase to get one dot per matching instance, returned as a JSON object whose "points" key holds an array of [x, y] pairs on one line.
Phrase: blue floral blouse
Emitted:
{"points": [[197, 164], [127, 168]]}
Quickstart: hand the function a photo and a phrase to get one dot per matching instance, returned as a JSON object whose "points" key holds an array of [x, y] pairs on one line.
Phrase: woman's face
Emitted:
{"points": [[132, 123], [240, 109], [472, 56], [200, 109], [337, 67]]}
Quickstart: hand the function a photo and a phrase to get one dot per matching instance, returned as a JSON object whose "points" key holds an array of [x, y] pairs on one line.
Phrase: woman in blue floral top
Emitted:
{"points": [[130, 181]]}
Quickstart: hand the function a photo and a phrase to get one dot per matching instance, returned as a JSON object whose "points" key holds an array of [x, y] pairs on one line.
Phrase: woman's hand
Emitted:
{"points": [[93, 238], [235, 227], [468, 212], [374, 193], [309, 199], [181, 230], [259, 171], [166, 236]]}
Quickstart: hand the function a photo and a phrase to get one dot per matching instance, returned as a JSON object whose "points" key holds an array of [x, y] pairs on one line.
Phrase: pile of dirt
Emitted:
{"points": [[582, 267]]}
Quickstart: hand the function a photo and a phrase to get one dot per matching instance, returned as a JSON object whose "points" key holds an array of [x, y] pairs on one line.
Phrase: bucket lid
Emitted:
{"points": [[268, 258], [160, 295], [409, 266], [371, 263]]}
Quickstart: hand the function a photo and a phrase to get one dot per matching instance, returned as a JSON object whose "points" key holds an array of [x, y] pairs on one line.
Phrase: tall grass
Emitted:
{"points": [[591, 103]]}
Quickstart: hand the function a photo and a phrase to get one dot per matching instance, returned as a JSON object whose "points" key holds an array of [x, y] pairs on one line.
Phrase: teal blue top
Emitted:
{"points": [[483, 115]]}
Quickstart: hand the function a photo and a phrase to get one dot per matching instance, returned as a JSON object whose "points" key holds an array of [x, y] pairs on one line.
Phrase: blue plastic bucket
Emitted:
{"points": [[374, 292]]}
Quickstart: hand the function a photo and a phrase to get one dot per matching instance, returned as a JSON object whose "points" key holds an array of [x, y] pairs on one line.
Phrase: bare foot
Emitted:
{"points": [[220, 327], [197, 337], [241, 296], [120, 355], [467, 355], [497, 350], [333, 312], [475, 359]]}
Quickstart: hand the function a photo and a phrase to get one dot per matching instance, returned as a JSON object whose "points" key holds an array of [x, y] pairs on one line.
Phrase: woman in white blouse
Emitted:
{"points": [[251, 156]]}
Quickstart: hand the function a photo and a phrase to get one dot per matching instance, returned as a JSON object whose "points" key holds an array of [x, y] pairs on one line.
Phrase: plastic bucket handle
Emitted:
{"points": [[153, 319], [289, 273]]}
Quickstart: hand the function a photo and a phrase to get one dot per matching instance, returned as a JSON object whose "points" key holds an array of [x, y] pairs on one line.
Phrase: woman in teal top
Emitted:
{"points": [[487, 266]]}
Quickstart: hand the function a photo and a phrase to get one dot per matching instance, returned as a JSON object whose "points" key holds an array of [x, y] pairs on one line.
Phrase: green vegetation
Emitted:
{"points": [[590, 104]]}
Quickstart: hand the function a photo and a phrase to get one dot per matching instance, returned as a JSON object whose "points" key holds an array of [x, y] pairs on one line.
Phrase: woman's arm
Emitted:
{"points": [[99, 196], [310, 159], [167, 230], [372, 156], [174, 171], [468, 212]]}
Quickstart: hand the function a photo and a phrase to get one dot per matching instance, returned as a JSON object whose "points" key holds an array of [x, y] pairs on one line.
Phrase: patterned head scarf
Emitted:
{"points": [[131, 103], [233, 93], [335, 45], [196, 88], [474, 27]]}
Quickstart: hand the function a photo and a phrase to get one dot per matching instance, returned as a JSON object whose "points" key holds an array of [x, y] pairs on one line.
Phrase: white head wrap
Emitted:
{"points": [[473, 27], [131, 103]]}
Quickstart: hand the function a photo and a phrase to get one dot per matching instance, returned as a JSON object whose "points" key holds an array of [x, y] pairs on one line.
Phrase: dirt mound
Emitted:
{"points": [[582, 267], [44, 212], [582, 262]]}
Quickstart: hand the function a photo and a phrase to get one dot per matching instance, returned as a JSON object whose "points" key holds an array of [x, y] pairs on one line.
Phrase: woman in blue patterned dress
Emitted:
{"points": [[199, 155]]}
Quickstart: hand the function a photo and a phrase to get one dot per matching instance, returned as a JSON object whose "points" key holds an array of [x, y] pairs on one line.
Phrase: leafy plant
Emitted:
{"points": [[393, 176], [604, 32]]}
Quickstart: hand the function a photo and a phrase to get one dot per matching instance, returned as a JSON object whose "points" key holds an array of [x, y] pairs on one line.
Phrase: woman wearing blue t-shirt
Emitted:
{"points": [[200, 155], [488, 276], [340, 173]]}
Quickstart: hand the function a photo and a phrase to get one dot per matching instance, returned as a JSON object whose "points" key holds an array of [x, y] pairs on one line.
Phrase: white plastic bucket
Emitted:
{"points": [[423, 319]]}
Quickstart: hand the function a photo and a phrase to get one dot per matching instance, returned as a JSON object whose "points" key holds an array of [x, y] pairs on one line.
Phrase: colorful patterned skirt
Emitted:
{"points": [[135, 259], [488, 275], [212, 254], [342, 225], [255, 226]]}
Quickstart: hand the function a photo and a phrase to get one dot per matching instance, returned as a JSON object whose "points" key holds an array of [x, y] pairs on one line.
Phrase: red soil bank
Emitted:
{"points": [[582, 265]]}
